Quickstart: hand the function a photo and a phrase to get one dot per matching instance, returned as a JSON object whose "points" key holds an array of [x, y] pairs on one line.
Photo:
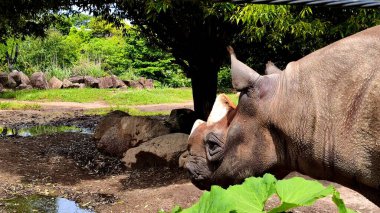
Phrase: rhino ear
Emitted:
{"points": [[242, 75], [196, 124], [270, 68], [222, 106]]}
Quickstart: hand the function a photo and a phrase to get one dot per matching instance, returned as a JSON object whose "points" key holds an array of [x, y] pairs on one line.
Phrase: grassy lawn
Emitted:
{"points": [[18, 106], [111, 96], [119, 99]]}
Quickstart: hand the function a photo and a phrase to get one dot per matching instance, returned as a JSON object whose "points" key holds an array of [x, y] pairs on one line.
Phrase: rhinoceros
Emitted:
{"points": [[320, 117]]}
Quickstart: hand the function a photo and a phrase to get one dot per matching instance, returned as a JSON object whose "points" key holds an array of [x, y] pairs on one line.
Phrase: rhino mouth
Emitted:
{"points": [[199, 172]]}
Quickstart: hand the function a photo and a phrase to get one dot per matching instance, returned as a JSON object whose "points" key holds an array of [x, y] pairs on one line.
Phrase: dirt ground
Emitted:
{"points": [[68, 165]]}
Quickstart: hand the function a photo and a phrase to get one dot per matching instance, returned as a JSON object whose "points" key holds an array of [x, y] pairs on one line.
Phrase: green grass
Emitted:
{"points": [[111, 96], [130, 110], [18, 106]]}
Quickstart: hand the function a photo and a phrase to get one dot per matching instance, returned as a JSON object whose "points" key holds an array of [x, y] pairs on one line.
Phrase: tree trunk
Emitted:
{"points": [[204, 77]]}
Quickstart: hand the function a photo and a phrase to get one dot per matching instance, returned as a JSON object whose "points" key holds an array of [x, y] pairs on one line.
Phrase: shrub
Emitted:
{"points": [[86, 67]]}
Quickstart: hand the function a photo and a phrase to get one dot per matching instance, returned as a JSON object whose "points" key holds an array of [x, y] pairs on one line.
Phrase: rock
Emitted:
{"points": [[129, 131], [24, 79], [181, 120], [38, 80], [55, 83], [66, 83], [11, 83], [134, 84], [19, 77], [77, 79], [77, 85], [3, 78], [24, 86], [111, 82], [147, 83], [1, 87], [107, 122], [117, 83], [142, 83], [7, 81], [91, 82], [105, 82], [161, 151]]}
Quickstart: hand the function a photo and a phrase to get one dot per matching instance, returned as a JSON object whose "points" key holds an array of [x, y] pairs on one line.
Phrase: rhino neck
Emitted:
{"points": [[292, 116]]}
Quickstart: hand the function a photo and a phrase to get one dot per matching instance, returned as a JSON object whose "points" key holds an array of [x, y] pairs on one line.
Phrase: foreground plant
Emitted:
{"points": [[252, 195]]}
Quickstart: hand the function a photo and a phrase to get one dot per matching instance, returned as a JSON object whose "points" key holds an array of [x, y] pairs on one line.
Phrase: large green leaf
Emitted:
{"points": [[297, 191], [254, 192], [247, 197]]}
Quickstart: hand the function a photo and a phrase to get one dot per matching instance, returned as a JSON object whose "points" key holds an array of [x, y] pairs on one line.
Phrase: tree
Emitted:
{"points": [[197, 31]]}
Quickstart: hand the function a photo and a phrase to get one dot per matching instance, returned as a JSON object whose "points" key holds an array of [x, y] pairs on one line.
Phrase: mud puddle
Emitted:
{"points": [[41, 130], [39, 203]]}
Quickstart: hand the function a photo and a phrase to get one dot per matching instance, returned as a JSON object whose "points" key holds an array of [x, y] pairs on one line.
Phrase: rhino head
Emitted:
{"points": [[214, 160], [206, 142]]}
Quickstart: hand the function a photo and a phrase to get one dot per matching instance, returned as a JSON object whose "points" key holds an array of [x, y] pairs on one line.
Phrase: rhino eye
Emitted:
{"points": [[214, 147]]}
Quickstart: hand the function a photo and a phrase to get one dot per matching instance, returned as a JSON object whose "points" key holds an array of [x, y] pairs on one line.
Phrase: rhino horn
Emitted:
{"points": [[196, 124], [242, 75], [220, 109], [271, 68]]}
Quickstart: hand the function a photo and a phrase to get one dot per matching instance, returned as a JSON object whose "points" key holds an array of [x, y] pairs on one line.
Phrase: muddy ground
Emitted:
{"points": [[68, 165]]}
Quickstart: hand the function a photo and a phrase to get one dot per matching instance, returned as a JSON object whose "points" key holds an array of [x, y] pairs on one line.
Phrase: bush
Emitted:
{"points": [[86, 67], [224, 79], [60, 73]]}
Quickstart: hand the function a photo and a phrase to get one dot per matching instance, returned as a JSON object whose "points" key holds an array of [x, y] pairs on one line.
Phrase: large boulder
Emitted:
{"points": [[38, 80], [161, 151], [134, 84], [181, 120], [147, 83], [90, 81], [105, 82], [66, 83], [11, 83], [107, 122], [19, 77], [111, 82], [127, 132], [24, 86], [117, 83], [77, 79], [55, 83], [3, 78], [77, 85]]}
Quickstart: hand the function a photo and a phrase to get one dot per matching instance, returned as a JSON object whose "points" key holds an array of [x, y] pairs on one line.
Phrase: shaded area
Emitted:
{"points": [[153, 177]]}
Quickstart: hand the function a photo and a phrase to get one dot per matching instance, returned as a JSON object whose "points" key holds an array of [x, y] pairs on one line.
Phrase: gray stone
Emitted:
{"points": [[164, 150], [24, 86], [77, 79], [38, 80], [129, 131], [66, 83], [105, 82], [55, 83], [91, 82]]}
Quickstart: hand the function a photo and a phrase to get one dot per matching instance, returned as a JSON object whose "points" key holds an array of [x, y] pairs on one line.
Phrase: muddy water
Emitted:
{"points": [[38, 203], [40, 130]]}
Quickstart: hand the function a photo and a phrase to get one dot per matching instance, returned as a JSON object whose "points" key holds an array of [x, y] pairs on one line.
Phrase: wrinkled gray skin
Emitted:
{"points": [[320, 117]]}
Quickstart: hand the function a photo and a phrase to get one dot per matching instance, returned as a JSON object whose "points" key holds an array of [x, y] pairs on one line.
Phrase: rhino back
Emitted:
{"points": [[337, 90]]}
